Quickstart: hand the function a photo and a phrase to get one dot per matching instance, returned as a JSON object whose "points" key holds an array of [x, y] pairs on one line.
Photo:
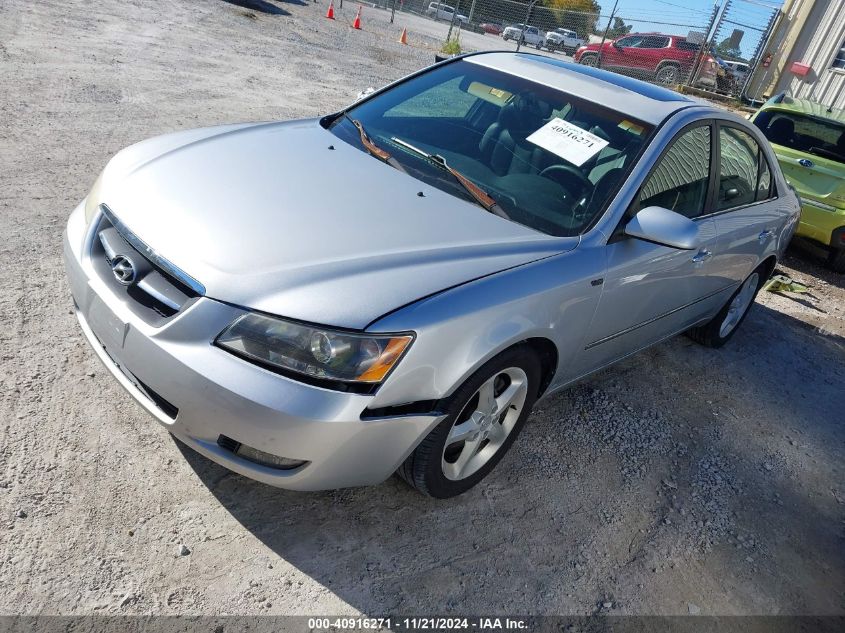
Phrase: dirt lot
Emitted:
{"points": [[683, 480]]}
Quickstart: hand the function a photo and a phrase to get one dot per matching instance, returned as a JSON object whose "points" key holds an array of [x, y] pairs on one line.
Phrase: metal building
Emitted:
{"points": [[805, 54]]}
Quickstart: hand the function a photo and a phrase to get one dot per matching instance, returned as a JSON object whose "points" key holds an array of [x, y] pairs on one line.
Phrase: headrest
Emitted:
{"points": [[524, 114], [782, 128]]}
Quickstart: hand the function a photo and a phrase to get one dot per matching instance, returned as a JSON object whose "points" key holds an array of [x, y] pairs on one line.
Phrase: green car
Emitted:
{"points": [[809, 140]]}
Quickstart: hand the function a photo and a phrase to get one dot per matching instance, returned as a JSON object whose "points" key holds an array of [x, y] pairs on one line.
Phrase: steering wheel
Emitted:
{"points": [[568, 170]]}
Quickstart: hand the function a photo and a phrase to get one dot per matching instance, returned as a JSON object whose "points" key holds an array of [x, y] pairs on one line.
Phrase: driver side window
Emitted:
{"points": [[630, 42], [680, 180]]}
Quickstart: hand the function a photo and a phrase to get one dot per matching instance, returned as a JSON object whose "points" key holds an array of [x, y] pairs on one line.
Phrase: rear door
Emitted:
{"points": [[747, 210], [651, 291], [653, 50]]}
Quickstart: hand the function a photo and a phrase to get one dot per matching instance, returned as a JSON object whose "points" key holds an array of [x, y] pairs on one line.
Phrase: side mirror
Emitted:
{"points": [[616, 45], [662, 226], [364, 93]]}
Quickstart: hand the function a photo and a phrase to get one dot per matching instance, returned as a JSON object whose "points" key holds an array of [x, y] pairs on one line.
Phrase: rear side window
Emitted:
{"points": [[744, 174], [684, 45], [680, 180], [654, 41]]}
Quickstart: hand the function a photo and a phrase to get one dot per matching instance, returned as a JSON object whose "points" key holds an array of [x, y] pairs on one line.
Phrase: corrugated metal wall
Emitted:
{"points": [[817, 45]]}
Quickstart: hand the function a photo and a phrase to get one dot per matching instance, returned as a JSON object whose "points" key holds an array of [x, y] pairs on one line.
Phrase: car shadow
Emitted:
{"points": [[262, 6], [544, 527]]}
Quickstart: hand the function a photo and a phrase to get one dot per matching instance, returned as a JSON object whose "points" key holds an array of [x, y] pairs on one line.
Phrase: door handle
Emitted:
{"points": [[764, 235], [702, 256]]}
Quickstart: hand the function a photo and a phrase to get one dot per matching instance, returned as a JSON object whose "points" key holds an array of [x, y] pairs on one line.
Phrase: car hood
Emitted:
{"points": [[288, 219]]}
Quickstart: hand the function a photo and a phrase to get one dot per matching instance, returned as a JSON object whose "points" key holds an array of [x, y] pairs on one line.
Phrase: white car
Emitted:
{"points": [[530, 35], [440, 11], [739, 69], [563, 40]]}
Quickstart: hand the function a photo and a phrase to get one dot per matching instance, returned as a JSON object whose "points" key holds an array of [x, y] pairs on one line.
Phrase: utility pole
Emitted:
{"points": [[527, 19], [713, 28], [606, 29]]}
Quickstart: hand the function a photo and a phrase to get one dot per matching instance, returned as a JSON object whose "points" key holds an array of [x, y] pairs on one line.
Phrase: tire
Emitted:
{"points": [[589, 60], [667, 75], [539, 46], [836, 260], [468, 444], [719, 330]]}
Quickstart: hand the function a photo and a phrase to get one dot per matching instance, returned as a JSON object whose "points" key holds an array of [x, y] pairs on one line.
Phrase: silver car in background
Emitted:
{"points": [[390, 288]]}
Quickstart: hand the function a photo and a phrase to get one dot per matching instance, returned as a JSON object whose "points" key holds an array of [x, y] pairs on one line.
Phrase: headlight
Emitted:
{"points": [[92, 201], [316, 352]]}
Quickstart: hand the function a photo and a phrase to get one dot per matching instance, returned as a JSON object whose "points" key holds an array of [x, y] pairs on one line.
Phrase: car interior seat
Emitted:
{"points": [[781, 131], [504, 148]]}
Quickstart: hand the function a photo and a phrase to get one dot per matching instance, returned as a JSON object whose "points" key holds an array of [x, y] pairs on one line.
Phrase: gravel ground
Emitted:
{"points": [[684, 480]]}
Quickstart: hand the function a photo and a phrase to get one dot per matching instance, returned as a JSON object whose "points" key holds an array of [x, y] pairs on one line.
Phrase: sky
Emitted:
{"points": [[681, 16]]}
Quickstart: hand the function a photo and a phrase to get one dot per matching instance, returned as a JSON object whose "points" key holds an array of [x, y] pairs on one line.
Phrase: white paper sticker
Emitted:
{"points": [[568, 141]]}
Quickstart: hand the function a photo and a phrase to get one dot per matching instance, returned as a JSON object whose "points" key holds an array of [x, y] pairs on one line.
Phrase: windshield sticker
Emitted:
{"points": [[568, 141], [488, 93], [629, 126]]}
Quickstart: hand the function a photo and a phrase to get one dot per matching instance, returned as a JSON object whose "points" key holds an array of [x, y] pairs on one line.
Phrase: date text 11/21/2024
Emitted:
{"points": [[418, 624]]}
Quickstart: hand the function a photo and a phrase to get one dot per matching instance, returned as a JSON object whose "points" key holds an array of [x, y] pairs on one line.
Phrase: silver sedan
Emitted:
{"points": [[390, 288]]}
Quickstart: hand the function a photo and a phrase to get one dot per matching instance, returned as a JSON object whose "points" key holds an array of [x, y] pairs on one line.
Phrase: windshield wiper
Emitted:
{"points": [[478, 194], [372, 148]]}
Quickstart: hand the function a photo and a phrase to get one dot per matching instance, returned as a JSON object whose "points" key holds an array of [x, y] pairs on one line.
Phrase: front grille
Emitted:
{"points": [[170, 410], [155, 289]]}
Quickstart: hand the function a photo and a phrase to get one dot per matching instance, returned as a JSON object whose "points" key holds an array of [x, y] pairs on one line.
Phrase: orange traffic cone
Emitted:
{"points": [[403, 39], [330, 12], [356, 24]]}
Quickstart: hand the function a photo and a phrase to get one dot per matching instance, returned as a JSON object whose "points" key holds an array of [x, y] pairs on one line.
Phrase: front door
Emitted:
{"points": [[651, 291], [618, 54]]}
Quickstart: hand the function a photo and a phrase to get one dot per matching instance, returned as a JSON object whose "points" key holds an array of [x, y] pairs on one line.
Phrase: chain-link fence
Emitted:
{"points": [[670, 43], [739, 38]]}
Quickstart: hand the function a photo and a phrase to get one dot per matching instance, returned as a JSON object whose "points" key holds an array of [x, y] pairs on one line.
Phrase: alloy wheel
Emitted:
{"points": [[740, 304], [485, 423], [667, 75]]}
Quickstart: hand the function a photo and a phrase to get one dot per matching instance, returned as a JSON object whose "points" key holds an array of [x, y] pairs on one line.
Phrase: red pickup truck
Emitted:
{"points": [[666, 59]]}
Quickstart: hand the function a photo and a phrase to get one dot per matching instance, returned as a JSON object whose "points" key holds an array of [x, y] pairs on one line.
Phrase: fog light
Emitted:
{"points": [[259, 457], [267, 459]]}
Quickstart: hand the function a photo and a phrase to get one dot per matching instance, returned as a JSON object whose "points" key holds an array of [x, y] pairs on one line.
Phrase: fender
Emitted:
{"points": [[460, 329]]}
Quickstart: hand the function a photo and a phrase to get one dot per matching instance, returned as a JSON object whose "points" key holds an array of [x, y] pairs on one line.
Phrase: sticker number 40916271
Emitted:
{"points": [[568, 141]]}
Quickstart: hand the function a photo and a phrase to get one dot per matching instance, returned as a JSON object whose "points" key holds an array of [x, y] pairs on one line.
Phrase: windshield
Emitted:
{"points": [[550, 161], [804, 133]]}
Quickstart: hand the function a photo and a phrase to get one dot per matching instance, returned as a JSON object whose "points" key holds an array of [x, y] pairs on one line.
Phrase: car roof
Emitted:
{"points": [[639, 99], [804, 106], [677, 37]]}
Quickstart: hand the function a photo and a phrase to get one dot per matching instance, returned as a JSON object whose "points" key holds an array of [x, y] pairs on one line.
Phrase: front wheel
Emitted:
{"points": [[589, 60], [722, 327], [484, 416]]}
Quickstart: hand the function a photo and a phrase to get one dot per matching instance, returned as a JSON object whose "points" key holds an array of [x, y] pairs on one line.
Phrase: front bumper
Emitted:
{"points": [[217, 393]]}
